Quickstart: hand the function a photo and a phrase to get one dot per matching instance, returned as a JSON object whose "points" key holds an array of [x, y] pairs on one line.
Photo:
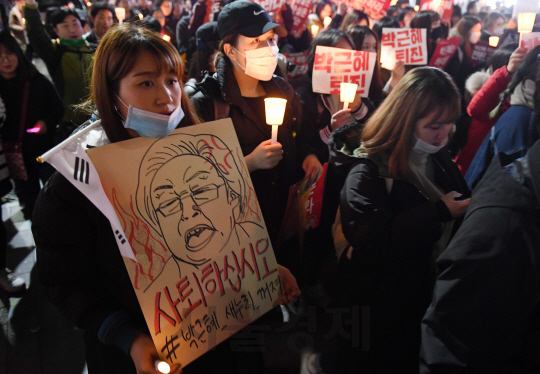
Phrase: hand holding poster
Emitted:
{"points": [[407, 45], [205, 265], [443, 7], [333, 66], [446, 49], [530, 40], [270, 5]]}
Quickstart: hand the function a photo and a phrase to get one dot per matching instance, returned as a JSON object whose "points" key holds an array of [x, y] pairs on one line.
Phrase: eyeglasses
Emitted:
{"points": [[200, 197], [7, 56]]}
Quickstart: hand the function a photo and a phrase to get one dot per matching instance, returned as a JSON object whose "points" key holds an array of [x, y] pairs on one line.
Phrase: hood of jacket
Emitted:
{"points": [[524, 94], [510, 184]]}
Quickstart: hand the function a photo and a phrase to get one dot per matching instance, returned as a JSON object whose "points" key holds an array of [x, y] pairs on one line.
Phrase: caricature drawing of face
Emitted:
{"points": [[194, 207]]}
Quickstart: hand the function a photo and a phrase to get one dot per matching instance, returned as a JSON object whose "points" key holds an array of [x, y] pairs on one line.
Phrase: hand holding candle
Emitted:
{"points": [[314, 30], [327, 21], [120, 14], [162, 367], [347, 93], [275, 111], [525, 23]]}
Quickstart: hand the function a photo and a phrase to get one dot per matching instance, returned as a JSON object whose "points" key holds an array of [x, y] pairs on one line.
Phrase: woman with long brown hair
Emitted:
{"points": [[397, 213]]}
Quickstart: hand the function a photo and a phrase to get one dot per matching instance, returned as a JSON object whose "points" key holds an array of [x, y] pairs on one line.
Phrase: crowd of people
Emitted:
{"points": [[431, 205]]}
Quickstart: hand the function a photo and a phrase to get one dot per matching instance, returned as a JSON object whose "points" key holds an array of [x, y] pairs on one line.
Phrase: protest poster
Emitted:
{"points": [[374, 8], [481, 52], [300, 64], [304, 207], [301, 10], [407, 45], [205, 267], [530, 40], [333, 66], [446, 49], [270, 5], [443, 7]]}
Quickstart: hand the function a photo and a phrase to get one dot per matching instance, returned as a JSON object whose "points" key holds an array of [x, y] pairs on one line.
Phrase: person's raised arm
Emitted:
{"points": [[39, 38]]}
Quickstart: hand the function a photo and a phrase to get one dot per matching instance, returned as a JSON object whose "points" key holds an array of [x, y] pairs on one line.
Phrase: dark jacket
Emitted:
{"points": [[513, 134], [219, 96], [391, 267], [485, 313]]}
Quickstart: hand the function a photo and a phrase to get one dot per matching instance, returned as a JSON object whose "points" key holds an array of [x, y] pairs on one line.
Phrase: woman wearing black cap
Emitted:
{"points": [[243, 79]]}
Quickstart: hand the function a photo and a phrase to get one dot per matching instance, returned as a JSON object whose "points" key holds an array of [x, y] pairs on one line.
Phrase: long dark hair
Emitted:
{"points": [[358, 34], [328, 38], [115, 57], [25, 69]]}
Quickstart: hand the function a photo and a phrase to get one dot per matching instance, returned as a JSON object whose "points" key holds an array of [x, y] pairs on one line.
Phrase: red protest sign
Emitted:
{"points": [[333, 66], [300, 60], [481, 52], [446, 49], [443, 7], [530, 40], [407, 45], [300, 9], [375, 8], [270, 5]]}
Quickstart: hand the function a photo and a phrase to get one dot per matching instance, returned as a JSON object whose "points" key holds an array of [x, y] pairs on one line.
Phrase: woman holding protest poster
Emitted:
{"points": [[243, 79], [137, 91], [398, 212]]}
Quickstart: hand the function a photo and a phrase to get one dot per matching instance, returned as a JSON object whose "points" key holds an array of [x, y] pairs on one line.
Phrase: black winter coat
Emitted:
{"points": [[390, 270], [219, 96], [485, 313]]}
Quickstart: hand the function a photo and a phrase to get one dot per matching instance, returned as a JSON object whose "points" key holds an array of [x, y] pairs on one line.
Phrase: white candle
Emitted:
{"points": [[327, 21], [167, 38], [275, 111], [314, 30], [120, 14], [162, 367], [347, 93], [493, 41]]}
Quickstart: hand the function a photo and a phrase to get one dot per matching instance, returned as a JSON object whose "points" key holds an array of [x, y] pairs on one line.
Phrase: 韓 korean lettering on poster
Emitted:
{"points": [[407, 45]]}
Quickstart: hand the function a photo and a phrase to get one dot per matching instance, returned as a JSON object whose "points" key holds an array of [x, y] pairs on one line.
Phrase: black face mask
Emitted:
{"points": [[436, 33]]}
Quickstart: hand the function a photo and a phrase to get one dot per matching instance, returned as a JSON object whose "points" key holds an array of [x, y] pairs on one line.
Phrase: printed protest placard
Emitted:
{"points": [[530, 40], [333, 66], [374, 8], [270, 5], [303, 207], [301, 10], [446, 49], [407, 45], [481, 52], [300, 64], [443, 7], [205, 266]]}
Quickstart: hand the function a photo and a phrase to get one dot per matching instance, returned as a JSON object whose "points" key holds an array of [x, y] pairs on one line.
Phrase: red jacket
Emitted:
{"points": [[482, 103]]}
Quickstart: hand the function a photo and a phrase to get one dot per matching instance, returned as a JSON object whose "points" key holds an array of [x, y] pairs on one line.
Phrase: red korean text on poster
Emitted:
{"points": [[300, 64], [481, 53], [446, 49], [530, 40], [407, 45], [333, 66], [300, 9], [303, 207], [270, 5], [443, 7], [374, 8]]}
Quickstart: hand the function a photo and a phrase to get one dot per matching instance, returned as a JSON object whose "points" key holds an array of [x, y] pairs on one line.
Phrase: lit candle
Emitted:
{"points": [[141, 16], [162, 367], [275, 111], [525, 23], [347, 92], [88, 4], [120, 14], [167, 38], [24, 21], [327, 21], [416, 8], [493, 41], [314, 30]]}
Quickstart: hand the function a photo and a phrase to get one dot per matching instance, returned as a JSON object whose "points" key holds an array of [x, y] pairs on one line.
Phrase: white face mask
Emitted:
{"points": [[260, 63], [423, 147], [475, 37], [152, 125], [498, 31]]}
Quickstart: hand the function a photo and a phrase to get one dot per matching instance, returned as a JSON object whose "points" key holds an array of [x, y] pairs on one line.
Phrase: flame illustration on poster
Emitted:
{"points": [[205, 267]]}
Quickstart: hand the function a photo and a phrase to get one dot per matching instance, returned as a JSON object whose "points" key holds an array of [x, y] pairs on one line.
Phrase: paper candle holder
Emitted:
{"points": [[120, 14], [275, 111], [493, 41], [327, 21], [167, 38], [347, 93], [314, 30], [526, 22]]}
